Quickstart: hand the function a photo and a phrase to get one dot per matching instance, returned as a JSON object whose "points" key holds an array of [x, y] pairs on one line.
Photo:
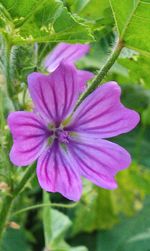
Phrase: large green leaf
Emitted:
{"points": [[40, 21], [131, 234], [133, 22]]}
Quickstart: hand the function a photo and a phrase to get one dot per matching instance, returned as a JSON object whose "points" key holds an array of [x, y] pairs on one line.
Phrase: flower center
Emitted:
{"points": [[61, 135]]}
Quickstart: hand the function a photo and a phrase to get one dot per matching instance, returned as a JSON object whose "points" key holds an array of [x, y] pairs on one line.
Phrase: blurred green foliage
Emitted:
{"points": [[103, 220], [129, 235]]}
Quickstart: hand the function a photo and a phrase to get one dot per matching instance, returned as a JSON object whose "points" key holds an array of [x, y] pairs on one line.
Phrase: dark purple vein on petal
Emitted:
{"points": [[94, 158]]}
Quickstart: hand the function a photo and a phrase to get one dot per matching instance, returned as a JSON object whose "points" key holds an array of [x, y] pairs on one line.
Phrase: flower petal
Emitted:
{"points": [[29, 135], [99, 160], [64, 51], [56, 173], [55, 95], [102, 115]]}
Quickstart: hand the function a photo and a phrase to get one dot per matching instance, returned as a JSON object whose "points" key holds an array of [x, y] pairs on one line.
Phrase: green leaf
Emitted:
{"points": [[60, 224], [55, 226], [63, 246], [78, 249], [36, 21], [15, 240], [133, 21], [90, 9], [98, 18], [131, 234]]}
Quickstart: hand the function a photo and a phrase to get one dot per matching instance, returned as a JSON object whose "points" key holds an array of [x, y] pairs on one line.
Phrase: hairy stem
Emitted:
{"points": [[103, 71], [7, 67], [7, 204]]}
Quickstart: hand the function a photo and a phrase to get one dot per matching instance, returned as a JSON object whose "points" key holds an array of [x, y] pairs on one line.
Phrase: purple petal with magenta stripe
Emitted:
{"points": [[102, 115], [99, 160], [57, 172], [29, 135], [55, 95]]}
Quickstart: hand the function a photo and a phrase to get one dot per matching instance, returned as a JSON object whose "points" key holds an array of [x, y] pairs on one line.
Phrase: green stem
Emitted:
{"points": [[103, 71], [6, 208], [26, 178], [47, 219], [35, 54], [4, 214], [24, 97], [43, 52], [44, 205], [7, 67]]}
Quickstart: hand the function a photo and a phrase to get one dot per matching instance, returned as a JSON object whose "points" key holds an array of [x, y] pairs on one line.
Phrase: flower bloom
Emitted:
{"points": [[70, 144], [68, 53]]}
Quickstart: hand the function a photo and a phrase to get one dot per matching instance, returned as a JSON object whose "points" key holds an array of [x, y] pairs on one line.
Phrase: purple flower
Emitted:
{"points": [[68, 53], [70, 144]]}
